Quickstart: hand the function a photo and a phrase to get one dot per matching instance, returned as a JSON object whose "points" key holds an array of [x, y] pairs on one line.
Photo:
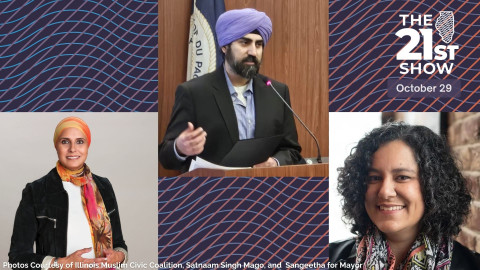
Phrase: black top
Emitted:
{"points": [[343, 253], [42, 218]]}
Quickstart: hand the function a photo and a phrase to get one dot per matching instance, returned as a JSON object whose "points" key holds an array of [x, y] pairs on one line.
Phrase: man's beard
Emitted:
{"points": [[246, 71]]}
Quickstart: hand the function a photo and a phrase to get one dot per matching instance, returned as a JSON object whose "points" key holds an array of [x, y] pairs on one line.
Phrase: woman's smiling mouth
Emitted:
{"points": [[390, 207]]}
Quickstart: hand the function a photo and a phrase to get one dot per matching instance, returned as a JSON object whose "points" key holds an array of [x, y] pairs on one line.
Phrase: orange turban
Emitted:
{"points": [[72, 122]]}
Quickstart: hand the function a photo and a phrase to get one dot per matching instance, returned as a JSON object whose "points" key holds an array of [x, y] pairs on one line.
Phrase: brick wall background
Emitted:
{"points": [[464, 138]]}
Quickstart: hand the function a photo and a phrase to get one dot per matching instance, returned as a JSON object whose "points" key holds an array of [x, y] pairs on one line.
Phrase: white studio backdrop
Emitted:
{"points": [[345, 130]]}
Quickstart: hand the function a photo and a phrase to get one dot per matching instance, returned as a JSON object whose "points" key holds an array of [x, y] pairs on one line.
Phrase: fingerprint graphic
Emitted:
{"points": [[256, 220], [363, 45], [76, 56], [444, 25]]}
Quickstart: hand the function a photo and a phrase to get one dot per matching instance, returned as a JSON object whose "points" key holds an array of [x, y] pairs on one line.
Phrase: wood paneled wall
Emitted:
{"points": [[297, 54]]}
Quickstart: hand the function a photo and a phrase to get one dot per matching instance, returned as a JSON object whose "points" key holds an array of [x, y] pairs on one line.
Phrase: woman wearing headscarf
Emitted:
{"points": [[405, 199], [70, 214]]}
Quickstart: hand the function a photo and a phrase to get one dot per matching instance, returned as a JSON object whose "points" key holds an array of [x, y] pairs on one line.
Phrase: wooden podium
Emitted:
{"points": [[313, 170]]}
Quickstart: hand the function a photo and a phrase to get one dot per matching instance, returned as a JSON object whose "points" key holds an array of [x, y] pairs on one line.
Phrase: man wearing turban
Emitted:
{"points": [[211, 113]]}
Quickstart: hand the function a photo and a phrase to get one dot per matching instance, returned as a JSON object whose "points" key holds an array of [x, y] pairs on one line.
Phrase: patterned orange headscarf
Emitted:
{"points": [[92, 201], [72, 122]]}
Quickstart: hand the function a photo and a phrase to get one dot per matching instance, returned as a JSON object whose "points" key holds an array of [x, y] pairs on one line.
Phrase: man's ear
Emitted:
{"points": [[224, 49]]}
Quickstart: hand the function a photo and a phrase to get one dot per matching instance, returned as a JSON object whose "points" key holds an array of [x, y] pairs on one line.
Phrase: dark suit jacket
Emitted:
{"points": [[206, 102]]}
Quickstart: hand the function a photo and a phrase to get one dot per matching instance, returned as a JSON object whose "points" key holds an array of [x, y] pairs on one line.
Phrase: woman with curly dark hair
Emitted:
{"points": [[405, 199]]}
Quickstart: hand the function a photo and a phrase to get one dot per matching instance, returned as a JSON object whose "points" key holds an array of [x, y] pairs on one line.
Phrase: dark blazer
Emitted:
{"points": [[206, 102], [462, 257], [42, 218]]}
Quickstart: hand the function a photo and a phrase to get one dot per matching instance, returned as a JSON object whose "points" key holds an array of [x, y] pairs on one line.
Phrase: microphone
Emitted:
{"points": [[269, 83]]}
